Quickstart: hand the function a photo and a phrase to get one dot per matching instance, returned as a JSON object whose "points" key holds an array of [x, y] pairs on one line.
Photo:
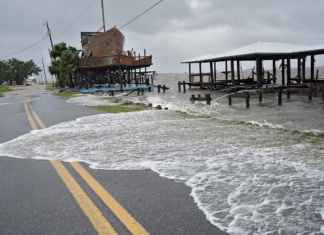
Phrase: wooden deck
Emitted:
{"points": [[115, 61]]}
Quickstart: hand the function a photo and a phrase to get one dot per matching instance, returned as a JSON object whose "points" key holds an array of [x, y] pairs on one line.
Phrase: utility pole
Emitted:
{"points": [[49, 34], [44, 71], [51, 61], [41, 77], [103, 15]]}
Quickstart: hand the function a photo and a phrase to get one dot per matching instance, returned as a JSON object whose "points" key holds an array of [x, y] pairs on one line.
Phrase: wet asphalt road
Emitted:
{"points": [[35, 200]]}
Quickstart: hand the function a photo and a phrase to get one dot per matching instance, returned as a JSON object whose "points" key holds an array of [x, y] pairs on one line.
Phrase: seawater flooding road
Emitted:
{"points": [[53, 197]]}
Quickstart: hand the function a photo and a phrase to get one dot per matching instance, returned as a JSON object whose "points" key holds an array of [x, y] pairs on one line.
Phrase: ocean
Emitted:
{"points": [[251, 171]]}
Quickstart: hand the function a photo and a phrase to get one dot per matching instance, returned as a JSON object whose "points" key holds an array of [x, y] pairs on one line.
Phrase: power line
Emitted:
{"points": [[62, 40], [129, 21], [140, 14], [76, 18], [24, 41], [53, 10], [63, 13], [16, 52]]}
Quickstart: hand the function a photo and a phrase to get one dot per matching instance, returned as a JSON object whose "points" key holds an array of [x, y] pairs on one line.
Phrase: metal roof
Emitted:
{"points": [[252, 50], [317, 47]]}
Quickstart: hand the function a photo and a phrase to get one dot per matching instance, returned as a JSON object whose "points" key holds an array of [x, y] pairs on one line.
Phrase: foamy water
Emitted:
{"points": [[247, 179]]}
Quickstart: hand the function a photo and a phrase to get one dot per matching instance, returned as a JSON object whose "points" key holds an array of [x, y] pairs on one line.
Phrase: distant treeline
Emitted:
{"points": [[17, 70]]}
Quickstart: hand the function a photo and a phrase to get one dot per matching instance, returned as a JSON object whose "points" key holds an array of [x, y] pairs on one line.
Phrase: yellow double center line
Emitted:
{"points": [[95, 216]]}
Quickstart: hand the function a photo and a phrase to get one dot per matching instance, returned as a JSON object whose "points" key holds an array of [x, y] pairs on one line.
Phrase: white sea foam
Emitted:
{"points": [[90, 100], [246, 179]]}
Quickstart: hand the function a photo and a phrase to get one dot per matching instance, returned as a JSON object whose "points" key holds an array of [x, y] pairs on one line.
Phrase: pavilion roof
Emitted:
{"points": [[256, 49]]}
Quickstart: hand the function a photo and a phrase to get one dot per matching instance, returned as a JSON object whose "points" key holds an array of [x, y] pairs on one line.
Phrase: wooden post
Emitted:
{"points": [[139, 65], [229, 100], [159, 87], [201, 79], [310, 93], [312, 67], [226, 75], [247, 100], [322, 93], [274, 70], [283, 72], [259, 71], [179, 85], [238, 73], [192, 99], [232, 73], [135, 78], [184, 87], [164, 87], [189, 72], [304, 69], [298, 68], [211, 72], [280, 96], [207, 97], [145, 64], [215, 72], [288, 92], [129, 76], [288, 72], [317, 74], [260, 97], [314, 90]]}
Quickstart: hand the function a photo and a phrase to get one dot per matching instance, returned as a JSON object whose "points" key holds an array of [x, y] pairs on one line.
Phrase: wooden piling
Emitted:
{"points": [[184, 87], [260, 97], [280, 96], [247, 100], [179, 85], [164, 88], [159, 87]]}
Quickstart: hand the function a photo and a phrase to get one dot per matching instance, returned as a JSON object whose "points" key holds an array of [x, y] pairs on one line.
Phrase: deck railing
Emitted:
{"points": [[116, 60]]}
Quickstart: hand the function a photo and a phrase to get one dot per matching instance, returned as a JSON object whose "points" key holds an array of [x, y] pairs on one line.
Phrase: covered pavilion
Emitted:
{"points": [[259, 52]]}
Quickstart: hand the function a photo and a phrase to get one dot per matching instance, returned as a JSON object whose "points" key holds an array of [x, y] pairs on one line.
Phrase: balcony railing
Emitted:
{"points": [[116, 60]]}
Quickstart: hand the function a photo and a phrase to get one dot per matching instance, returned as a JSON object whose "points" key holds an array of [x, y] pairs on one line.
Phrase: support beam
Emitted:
{"points": [[145, 77], [215, 71], [226, 75], [232, 73], [304, 69], [283, 72], [211, 72], [274, 70], [312, 67], [200, 75], [288, 72], [238, 73], [189, 72], [259, 72], [298, 68]]}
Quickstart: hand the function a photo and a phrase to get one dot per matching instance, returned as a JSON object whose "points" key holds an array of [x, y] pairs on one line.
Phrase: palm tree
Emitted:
{"points": [[64, 63]]}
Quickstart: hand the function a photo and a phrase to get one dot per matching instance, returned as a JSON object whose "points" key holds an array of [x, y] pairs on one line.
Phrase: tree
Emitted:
{"points": [[64, 63], [17, 70]]}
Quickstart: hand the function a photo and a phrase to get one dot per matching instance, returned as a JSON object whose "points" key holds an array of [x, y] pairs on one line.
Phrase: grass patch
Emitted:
{"points": [[4, 89], [111, 99], [118, 108], [49, 86], [66, 95]]}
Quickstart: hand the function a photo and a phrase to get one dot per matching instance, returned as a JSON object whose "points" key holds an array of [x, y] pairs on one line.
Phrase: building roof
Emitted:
{"points": [[256, 49]]}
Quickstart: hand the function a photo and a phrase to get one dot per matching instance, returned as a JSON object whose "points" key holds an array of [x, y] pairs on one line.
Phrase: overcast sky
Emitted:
{"points": [[173, 31]]}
